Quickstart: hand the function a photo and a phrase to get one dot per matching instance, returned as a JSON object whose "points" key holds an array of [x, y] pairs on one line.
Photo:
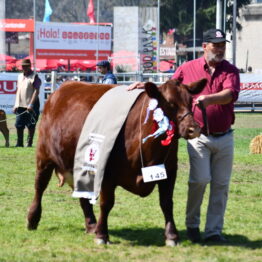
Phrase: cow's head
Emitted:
{"points": [[175, 99]]}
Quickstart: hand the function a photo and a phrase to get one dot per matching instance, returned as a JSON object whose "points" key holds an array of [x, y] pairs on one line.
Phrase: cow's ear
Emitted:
{"points": [[197, 87], [152, 90]]}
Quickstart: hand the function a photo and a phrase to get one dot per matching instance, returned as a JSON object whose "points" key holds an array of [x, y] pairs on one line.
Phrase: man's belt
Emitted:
{"points": [[218, 134]]}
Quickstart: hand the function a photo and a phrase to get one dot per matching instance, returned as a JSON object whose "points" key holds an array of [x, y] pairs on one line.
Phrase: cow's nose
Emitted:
{"points": [[193, 132]]}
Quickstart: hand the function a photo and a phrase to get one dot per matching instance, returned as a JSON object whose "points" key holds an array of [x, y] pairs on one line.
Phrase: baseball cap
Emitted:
{"points": [[214, 36], [104, 63]]}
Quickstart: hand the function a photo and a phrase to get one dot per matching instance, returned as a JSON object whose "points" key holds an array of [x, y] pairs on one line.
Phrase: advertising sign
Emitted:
{"points": [[250, 88], [148, 39], [72, 41], [17, 25]]}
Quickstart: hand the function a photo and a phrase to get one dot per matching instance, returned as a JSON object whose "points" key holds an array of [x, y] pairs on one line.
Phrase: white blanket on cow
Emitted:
{"points": [[97, 139]]}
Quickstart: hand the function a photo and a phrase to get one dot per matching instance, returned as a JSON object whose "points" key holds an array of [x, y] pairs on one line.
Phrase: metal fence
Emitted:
{"points": [[55, 79]]}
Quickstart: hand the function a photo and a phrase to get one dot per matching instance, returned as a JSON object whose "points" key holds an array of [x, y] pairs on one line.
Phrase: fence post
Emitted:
{"points": [[53, 81]]}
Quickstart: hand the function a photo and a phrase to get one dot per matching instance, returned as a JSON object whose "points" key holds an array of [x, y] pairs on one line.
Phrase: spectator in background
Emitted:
{"points": [[104, 69], [89, 78], [171, 70], [26, 103]]}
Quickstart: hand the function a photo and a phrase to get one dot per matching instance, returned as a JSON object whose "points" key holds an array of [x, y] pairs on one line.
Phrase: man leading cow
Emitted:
{"points": [[211, 154]]}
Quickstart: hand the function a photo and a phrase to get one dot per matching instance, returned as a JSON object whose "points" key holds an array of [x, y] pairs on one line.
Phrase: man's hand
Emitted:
{"points": [[202, 101], [30, 108], [136, 85], [14, 110]]}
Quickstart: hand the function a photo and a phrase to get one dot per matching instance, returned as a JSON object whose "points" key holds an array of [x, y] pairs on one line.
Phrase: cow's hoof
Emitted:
{"points": [[31, 227], [100, 241], [171, 243], [7, 145]]}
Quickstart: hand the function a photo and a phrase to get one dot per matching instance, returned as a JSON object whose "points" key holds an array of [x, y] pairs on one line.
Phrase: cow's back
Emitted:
{"points": [[62, 120]]}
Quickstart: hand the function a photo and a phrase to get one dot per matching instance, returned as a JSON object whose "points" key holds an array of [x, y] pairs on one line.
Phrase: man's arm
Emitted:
{"points": [[221, 98], [36, 85], [109, 81]]}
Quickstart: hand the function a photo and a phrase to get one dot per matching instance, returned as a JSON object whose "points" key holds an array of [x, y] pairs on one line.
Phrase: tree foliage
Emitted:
{"points": [[176, 14], [179, 15]]}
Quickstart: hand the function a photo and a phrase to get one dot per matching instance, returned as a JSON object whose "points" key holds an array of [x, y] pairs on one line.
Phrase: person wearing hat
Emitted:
{"points": [[104, 69], [211, 154], [27, 103]]}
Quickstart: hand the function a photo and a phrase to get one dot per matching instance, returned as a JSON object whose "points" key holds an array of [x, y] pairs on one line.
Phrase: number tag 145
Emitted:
{"points": [[154, 173]]}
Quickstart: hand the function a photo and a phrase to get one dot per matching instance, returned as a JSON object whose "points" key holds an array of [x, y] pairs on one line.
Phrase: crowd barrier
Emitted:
{"points": [[250, 98]]}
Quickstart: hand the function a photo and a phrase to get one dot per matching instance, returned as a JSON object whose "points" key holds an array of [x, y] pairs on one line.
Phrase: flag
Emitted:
{"points": [[48, 11], [91, 12]]}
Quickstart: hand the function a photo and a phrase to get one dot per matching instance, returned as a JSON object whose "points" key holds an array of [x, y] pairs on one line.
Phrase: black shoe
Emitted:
{"points": [[216, 238], [194, 234]]}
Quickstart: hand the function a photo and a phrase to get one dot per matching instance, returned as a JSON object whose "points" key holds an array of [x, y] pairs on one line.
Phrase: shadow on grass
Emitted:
{"points": [[141, 237], [238, 241], [155, 237]]}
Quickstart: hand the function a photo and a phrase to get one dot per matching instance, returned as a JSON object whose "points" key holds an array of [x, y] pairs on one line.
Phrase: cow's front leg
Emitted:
{"points": [[90, 219], [166, 188], [107, 200]]}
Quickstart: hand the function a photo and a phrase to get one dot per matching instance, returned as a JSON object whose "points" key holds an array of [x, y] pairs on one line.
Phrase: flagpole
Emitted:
{"points": [[2, 34], [234, 32], [194, 31], [34, 56], [158, 42], [97, 25]]}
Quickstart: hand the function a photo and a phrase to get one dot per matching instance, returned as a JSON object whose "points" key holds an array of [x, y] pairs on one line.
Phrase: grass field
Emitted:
{"points": [[135, 224]]}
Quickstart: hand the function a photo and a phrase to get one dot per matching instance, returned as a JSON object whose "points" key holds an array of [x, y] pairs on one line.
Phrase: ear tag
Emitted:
{"points": [[162, 122], [151, 106]]}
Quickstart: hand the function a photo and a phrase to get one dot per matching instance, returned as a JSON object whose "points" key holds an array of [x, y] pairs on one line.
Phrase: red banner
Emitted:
{"points": [[251, 86], [72, 54], [17, 25]]}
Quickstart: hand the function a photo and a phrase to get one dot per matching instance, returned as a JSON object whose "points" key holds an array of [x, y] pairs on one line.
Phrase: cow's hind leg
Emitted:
{"points": [[166, 188], [41, 181], [107, 200], [90, 219], [5, 132]]}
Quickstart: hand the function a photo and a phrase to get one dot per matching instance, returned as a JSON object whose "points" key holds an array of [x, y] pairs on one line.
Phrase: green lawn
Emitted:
{"points": [[135, 224]]}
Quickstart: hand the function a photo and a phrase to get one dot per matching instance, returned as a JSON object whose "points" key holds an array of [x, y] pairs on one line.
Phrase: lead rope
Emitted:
{"points": [[140, 133], [13, 117]]}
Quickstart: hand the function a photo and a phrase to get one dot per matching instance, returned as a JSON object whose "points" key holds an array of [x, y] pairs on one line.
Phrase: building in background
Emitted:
{"points": [[249, 39], [135, 31]]}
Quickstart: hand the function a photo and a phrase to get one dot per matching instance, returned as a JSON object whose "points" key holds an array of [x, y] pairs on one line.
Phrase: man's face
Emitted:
{"points": [[102, 70], [214, 52], [26, 68]]}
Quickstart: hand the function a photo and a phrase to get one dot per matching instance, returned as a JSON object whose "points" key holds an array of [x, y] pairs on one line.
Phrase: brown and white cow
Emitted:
{"points": [[3, 127], [63, 117]]}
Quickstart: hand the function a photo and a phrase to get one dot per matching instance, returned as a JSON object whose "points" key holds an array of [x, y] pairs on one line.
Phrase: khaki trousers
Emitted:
{"points": [[211, 160]]}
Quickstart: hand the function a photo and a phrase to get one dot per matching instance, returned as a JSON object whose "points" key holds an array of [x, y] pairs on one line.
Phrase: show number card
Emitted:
{"points": [[154, 173]]}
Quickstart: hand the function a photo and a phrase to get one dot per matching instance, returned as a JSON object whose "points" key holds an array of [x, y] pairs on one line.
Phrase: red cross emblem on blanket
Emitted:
{"points": [[92, 153]]}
